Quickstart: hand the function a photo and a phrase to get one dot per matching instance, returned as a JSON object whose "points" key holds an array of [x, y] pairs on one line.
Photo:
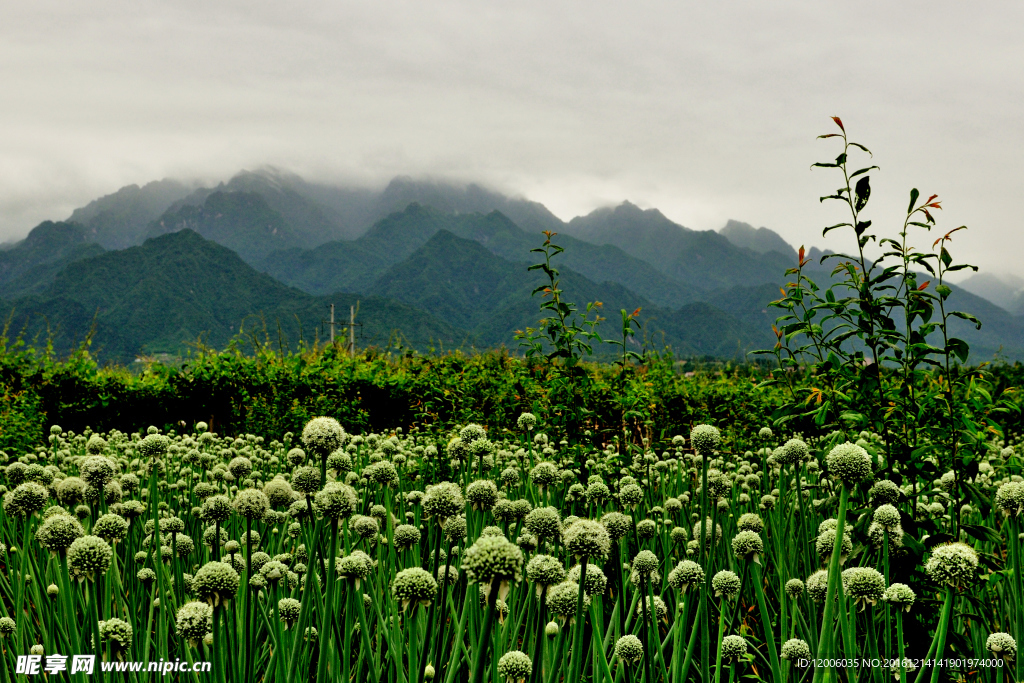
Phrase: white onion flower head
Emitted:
{"points": [[849, 463]]}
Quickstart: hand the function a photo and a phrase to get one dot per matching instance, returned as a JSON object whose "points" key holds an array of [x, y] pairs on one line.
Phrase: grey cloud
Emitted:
{"points": [[707, 111]]}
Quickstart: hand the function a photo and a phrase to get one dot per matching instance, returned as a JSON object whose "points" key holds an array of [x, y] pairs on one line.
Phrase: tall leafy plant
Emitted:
{"points": [[564, 337], [875, 337]]}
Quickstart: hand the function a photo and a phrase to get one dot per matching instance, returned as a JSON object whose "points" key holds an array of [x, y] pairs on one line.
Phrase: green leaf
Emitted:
{"points": [[944, 291], [968, 317], [863, 192], [863, 171], [959, 348], [914, 194]]}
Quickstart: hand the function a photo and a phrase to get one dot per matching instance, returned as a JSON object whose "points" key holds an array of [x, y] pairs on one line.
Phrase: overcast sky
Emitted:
{"points": [[707, 111]]}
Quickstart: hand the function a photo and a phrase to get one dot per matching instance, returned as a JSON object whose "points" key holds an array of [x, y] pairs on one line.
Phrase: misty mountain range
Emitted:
{"points": [[431, 265]]}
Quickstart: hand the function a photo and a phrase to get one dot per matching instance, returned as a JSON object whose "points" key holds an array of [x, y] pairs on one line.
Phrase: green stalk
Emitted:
{"points": [[328, 614], [947, 613], [721, 635], [766, 621], [246, 595], [1018, 581], [644, 581], [899, 644], [825, 638], [433, 609], [577, 633], [485, 636], [538, 646]]}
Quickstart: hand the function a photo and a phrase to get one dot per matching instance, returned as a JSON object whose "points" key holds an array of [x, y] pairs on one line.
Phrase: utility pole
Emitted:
{"points": [[351, 328], [332, 324]]}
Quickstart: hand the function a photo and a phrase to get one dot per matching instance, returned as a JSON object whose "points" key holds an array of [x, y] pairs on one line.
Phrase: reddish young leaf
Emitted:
{"points": [[924, 286], [839, 123]]}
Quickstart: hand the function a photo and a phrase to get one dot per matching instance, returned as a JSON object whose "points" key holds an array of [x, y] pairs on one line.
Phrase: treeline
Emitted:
{"points": [[269, 392]]}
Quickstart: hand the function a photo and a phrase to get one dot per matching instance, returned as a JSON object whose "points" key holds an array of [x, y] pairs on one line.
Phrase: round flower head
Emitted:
{"points": [[686, 575], [296, 456], [679, 535], [493, 559], [551, 629], [646, 529], [116, 631], [216, 509], [596, 582], [515, 666], [750, 521], [443, 500], [657, 610], [384, 473], [510, 477], [884, 492], [323, 436], [216, 582], [305, 479], [154, 446], [97, 470], [794, 588], [631, 495], [587, 538], [544, 474], [414, 585], [849, 463], [1010, 498], [336, 501], [817, 585], [705, 439], [704, 530], [27, 499], [826, 542], [544, 522], [194, 620], [251, 504], [901, 595], [356, 565], [57, 533], [278, 492], [954, 565], [111, 527], [365, 527], [887, 517], [88, 556], [289, 609], [482, 494], [526, 422], [748, 545], [794, 650], [617, 524], [545, 570], [864, 584], [734, 648], [629, 649], [645, 564], [7, 627], [406, 536], [793, 451], [765, 432], [726, 584], [1002, 645], [454, 528], [562, 599]]}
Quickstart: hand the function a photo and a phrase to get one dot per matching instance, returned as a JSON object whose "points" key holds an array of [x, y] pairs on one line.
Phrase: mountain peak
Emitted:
{"points": [[760, 240]]}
